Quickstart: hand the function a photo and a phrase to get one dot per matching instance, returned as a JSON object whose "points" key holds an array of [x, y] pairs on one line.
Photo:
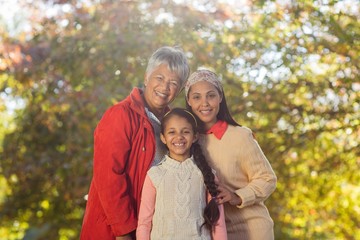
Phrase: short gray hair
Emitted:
{"points": [[174, 58]]}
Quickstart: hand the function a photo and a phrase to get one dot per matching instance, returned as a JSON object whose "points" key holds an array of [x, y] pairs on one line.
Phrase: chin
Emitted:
{"points": [[207, 120], [162, 104]]}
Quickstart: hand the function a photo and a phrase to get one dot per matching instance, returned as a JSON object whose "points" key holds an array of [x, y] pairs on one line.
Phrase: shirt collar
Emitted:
{"points": [[218, 129], [152, 116]]}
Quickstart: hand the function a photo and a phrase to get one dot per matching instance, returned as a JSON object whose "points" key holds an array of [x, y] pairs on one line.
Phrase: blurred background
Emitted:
{"points": [[290, 71]]}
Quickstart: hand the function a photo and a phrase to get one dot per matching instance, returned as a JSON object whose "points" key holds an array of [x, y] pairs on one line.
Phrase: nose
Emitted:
{"points": [[179, 136], [204, 102]]}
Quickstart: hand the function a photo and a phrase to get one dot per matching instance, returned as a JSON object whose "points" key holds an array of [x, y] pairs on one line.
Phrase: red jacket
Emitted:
{"points": [[124, 147]]}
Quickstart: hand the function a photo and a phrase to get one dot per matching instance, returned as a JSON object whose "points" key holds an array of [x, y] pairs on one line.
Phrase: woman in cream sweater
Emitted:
{"points": [[245, 175]]}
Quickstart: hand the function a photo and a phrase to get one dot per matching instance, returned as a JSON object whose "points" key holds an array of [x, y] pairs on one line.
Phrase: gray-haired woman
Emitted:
{"points": [[126, 143]]}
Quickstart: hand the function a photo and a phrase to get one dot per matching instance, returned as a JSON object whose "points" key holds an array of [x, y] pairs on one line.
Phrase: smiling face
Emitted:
{"points": [[178, 135], [161, 87], [204, 100]]}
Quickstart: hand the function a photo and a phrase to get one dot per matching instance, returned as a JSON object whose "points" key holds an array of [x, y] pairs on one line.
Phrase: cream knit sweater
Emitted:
{"points": [[241, 166]]}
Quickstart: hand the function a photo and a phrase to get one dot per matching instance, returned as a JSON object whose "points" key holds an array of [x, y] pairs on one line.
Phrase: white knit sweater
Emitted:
{"points": [[180, 201]]}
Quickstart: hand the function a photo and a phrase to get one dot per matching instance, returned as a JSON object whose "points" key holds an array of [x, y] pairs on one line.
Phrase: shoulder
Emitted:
{"points": [[239, 131], [119, 119], [155, 169], [121, 108], [156, 173], [128, 108], [130, 103], [115, 114]]}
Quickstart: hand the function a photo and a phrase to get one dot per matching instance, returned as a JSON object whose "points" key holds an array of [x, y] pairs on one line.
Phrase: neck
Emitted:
{"points": [[209, 125], [159, 113], [179, 158]]}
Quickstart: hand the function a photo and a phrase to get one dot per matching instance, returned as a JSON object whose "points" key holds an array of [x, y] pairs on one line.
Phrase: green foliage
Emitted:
{"points": [[290, 73]]}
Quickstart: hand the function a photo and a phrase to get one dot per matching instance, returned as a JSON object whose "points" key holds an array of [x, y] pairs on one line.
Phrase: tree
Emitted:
{"points": [[290, 72]]}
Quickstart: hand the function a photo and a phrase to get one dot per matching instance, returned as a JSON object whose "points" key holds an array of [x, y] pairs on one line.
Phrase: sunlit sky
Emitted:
{"points": [[12, 16], [14, 19]]}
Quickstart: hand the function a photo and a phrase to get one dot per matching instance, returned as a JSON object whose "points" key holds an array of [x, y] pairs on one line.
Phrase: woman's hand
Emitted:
{"points": [[225, 195]]}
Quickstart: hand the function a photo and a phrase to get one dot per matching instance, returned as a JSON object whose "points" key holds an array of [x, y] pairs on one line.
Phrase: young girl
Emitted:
{"points": [[174, 204], [245, 175]]}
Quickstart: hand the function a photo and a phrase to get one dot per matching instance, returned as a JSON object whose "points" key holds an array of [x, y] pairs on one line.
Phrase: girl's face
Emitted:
{"points": [[204, 100], [178, 136]]}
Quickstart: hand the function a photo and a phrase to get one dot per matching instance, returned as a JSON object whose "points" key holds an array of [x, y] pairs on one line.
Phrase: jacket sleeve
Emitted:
{"points": [[111, 152], [147, 208], [262, 179]]}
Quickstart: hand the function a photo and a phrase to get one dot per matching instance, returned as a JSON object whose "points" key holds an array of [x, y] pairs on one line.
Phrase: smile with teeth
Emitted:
{"points": [[161, 94], [207, 111], [179, 144]]}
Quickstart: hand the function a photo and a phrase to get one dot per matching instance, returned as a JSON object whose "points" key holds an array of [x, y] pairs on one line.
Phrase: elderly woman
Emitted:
{"points": [[126, 143]]}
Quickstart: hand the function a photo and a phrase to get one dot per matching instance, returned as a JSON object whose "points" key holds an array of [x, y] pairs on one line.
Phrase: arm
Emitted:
{"points": [[111, 152], [262, 179], [147, 208]]}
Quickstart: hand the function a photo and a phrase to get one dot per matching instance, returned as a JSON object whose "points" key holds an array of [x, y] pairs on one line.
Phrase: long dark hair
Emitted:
{"points": [[224, 113], [211, 211]]}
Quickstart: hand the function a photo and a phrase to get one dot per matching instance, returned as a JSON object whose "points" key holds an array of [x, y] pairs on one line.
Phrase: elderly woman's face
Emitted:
{"points": [[161, 87]]}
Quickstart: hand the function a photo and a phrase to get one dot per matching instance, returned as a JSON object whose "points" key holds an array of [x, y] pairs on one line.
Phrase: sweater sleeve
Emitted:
{"points": [[111, 152], [262, 179], [147, 208]]}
